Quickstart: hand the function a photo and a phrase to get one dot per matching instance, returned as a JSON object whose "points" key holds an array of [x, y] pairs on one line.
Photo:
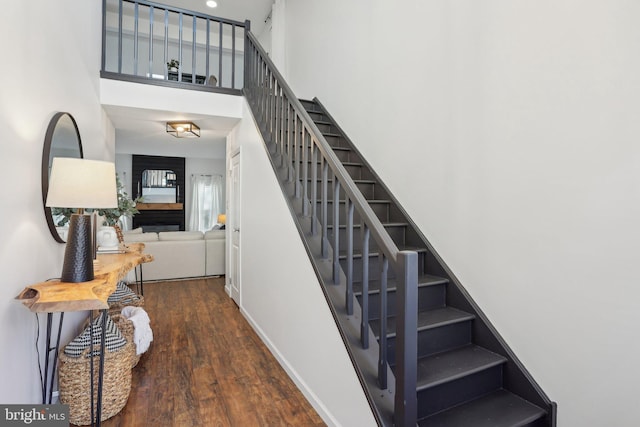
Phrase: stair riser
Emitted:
{"points": [[429, 297], [395, 232], [436, 340], [320, 124], [335, 141], [380, 209], [342, 155], [374, 268], [354, 171], [329, 133], [366, 188], [317, 116], [309, 105], [325, 128], [455, 392]]}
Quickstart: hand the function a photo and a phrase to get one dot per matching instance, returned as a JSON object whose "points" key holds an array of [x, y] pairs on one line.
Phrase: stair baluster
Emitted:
{"points": [[364, 320]]}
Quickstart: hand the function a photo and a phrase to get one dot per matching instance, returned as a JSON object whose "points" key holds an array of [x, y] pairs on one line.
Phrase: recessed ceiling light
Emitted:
{"points": [[212, 3]]}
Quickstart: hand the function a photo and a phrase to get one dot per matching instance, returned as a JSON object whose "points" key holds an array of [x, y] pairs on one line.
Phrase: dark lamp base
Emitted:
{"points": [[78, 260]]}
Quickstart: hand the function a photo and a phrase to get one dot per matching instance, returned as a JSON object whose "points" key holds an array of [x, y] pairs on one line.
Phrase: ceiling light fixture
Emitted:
{"points": [[183, 129], [212, 3]]}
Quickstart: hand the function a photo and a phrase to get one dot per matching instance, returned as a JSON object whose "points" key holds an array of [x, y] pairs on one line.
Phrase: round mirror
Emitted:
{"points": [[61, 140]]}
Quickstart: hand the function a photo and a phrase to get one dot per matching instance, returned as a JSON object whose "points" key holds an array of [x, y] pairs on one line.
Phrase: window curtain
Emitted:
{"points": [[206, 201]]}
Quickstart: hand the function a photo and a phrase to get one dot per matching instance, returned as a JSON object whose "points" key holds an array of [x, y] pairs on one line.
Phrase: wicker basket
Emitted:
{"points": [[117, 306], [74, 379], [126, 327]]}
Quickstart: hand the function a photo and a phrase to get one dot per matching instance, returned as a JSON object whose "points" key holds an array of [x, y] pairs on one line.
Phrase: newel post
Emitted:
{"points": [[406, 405]]}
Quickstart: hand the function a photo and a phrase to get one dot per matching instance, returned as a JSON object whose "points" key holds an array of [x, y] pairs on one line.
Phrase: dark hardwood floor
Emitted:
{"points": [[207, 367]]}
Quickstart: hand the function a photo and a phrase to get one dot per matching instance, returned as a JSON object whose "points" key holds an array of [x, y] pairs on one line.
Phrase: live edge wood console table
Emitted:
{"points": [[59, 297]]}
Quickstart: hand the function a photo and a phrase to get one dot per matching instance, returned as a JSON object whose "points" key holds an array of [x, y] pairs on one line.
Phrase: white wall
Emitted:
{"points": [[280, 294], [509, 132], [54, 67]]}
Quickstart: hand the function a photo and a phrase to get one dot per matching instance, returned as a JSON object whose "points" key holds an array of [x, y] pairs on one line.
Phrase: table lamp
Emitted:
{"points": [[80, 183]]}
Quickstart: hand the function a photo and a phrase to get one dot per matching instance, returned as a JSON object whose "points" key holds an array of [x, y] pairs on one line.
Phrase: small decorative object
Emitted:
{"points": [[107, 239], [126, 207], [173, 65]]}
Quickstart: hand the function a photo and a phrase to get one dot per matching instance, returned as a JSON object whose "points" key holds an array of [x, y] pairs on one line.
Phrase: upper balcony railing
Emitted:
{"points": [[141, 38]]}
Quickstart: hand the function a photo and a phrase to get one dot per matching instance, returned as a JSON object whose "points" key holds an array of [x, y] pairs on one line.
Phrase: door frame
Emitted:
{"points": [[232, 224]]}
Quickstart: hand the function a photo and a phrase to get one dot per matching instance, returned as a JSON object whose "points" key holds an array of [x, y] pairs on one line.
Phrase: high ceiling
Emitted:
{"points": [[139, 130]]}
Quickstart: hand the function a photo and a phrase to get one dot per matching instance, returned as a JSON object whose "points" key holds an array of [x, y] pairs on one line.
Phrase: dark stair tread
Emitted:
{"points": [[318, 162], [332, 147], [375, 253], [319, 121], [429, 319], [376, 201], [498, 409], [451, 365], [357, 181], [384, 224], [374, 284]]}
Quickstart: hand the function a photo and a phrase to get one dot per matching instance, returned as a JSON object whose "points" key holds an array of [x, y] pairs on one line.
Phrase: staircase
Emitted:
{"points": [[425, 353], [459, 382]]}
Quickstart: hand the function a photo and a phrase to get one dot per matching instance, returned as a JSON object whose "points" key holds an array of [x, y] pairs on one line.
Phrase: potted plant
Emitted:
{"points": [[61, 216], [126, 207], [173, 65]]}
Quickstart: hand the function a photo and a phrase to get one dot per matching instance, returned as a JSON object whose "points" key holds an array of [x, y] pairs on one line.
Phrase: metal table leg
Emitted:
{"points": [[139, 283], [47, 393], [101, 367], [97, 414]]}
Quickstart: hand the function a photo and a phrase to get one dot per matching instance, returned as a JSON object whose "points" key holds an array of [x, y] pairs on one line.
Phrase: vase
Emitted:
{"points": [[107, 239]]}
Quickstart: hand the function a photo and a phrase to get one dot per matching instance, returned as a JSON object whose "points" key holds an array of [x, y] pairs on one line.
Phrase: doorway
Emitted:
{"points": [[233, 274]]}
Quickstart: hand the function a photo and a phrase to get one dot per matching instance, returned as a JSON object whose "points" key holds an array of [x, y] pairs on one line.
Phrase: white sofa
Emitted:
{"points": [[182, 254]]}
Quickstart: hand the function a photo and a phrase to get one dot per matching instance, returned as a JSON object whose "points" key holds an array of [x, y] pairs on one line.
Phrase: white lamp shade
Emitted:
{"points": [[81, 183]]}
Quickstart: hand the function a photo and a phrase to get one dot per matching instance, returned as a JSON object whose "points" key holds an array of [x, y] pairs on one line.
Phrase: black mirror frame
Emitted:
{"points": [[46, 155]]}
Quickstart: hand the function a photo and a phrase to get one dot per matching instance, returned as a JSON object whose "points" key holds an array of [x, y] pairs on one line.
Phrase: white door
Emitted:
{"points": [[234, 225]]}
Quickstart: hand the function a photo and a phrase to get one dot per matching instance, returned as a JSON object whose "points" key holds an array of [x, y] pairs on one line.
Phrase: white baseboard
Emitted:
{"points": [[313, 399]]}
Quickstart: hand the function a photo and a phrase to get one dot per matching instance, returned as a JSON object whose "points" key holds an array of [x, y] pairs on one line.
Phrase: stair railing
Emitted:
{"points": [[142, 41], [309, 159]]}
